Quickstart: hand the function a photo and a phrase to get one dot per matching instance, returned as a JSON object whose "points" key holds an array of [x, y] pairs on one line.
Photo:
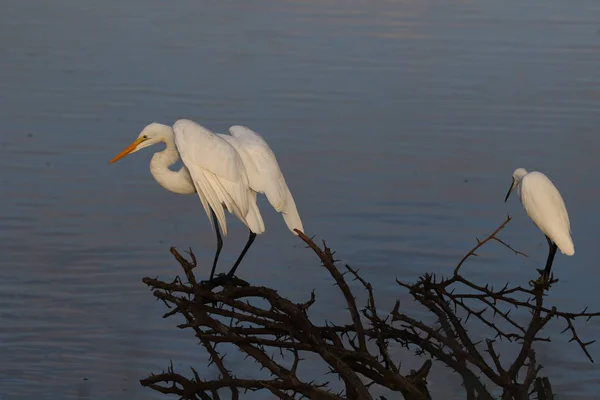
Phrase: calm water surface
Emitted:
{"points": [[397, 124]]}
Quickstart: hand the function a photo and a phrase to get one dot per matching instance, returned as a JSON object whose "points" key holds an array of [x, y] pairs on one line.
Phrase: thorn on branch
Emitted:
{"points": [[265, 326]]}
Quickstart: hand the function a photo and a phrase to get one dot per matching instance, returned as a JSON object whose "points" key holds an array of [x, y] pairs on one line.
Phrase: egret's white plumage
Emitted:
{"points": [[217, 172], [545, 207], [225, 171], [264, 174]]}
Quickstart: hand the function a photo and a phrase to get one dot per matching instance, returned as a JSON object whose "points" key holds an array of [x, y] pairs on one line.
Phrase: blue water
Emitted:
{"points": [[397, 125]]}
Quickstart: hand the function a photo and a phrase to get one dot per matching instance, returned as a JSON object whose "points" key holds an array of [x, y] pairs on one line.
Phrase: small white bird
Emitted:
{"points": [[225, 171], [545, 207]]}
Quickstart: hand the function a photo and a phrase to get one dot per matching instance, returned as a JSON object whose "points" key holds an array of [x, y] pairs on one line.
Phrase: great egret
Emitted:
{"points": [[545, 207], [226, 172]]}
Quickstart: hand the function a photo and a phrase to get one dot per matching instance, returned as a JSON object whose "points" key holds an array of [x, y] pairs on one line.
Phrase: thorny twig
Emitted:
{"points": [[359, 353]]}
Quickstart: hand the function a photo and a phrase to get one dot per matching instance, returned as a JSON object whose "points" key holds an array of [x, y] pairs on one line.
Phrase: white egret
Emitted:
{"points": [[545, 207], [216, 170]]}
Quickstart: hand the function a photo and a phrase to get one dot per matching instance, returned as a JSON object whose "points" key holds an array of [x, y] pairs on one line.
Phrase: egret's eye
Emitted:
{"points": [[145, 137]]}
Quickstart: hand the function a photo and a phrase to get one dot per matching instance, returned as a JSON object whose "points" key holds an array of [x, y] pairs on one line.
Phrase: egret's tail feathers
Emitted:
{"points": [[564, 242], [290, 214], [566, 247]]}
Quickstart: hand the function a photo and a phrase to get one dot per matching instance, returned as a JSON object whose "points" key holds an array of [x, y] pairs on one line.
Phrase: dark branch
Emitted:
{"points": [[262, 323]]}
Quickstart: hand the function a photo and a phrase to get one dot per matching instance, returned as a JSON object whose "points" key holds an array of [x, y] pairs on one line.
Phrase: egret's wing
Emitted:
{"points": [[546, 208], [216, 169], [207, 150], [264, 173]]}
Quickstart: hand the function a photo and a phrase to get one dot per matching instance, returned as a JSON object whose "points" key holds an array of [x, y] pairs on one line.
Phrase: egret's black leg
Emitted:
{"points": [[552, 252], [219, 243], [237, 263]]}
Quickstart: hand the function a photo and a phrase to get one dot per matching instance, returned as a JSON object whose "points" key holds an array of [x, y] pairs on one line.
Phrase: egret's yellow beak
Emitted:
{"points": [[128, 149], [510, 189]]}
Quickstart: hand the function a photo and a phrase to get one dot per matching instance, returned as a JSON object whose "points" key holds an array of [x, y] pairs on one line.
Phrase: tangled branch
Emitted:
{"points": [[262, 323]]}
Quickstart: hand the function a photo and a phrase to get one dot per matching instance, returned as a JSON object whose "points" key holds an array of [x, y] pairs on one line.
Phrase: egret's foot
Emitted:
{"points": [[224, 280], [543, 282], [540, 283], [219, 280]]}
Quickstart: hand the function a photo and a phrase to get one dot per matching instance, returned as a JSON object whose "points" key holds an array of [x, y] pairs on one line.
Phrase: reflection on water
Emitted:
{"points": [[397, 124]]}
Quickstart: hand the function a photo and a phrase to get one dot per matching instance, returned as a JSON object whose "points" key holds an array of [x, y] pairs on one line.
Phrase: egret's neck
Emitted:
{"points": [[174, 181]]}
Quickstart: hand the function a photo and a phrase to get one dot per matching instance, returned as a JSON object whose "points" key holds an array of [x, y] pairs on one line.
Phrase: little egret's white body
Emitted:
{"points": [[225, 171], [545, 207]]}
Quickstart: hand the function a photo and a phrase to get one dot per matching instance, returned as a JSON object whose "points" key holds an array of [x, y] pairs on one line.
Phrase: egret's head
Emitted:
{"points": [[152, 134], [516, 179]]}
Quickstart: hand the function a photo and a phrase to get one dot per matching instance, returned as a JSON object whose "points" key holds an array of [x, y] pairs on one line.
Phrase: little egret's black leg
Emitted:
{"points": [[219, 243], [552, 252], [237, 263]]}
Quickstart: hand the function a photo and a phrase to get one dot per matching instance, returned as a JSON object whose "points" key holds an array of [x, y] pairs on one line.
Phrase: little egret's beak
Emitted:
{"points": [[128, 150], [512, 186]]}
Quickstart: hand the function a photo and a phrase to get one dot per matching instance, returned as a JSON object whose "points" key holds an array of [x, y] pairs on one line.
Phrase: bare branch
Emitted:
{"points": [[261, 323]]}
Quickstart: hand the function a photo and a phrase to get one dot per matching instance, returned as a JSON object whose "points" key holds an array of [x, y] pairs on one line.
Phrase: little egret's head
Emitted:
{"points": [[516, 179], [151, 134]]}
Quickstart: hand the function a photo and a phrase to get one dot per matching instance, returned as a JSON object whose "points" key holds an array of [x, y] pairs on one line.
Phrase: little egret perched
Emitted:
{"points": [[225, 171], [545, 207]]}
